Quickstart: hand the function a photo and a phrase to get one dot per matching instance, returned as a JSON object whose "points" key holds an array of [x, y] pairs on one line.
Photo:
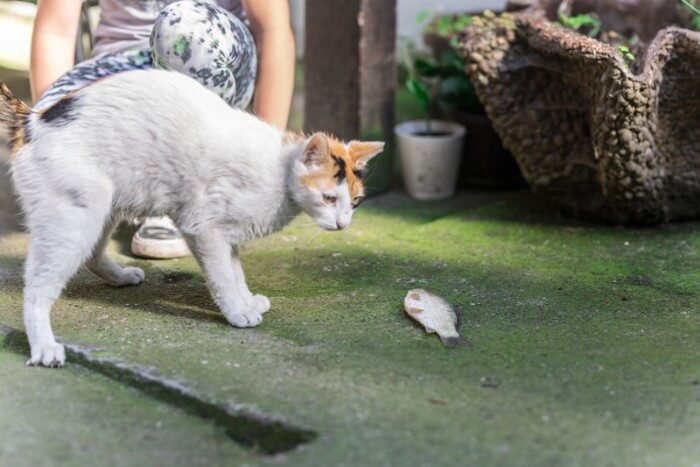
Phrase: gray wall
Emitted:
{"points": [[407, 12], [297, 9]]}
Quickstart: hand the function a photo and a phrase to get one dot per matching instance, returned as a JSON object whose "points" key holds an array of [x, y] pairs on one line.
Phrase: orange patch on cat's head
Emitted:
{"points": [[334, 162]]}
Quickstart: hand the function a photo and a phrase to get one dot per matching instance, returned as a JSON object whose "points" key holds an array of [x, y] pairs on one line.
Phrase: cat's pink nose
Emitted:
{"points": [[340, 225]]}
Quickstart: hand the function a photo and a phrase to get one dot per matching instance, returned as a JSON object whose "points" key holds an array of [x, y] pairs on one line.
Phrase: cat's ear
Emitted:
{"points": [[316, 150], [362, 152]]}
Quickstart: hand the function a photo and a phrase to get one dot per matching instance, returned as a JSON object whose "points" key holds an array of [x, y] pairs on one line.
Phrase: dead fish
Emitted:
{"points": [[435, 315]]}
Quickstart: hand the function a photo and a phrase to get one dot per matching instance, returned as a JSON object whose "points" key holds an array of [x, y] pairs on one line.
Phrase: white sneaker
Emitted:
{"points": [[158, 238]]}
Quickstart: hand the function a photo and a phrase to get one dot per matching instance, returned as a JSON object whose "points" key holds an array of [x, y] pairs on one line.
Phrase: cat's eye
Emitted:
{"points": [[328, 199], [356, 202]]}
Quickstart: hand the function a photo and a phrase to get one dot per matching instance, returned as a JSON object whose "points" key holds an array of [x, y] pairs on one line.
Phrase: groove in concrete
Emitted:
{"points": [[247, 427]]}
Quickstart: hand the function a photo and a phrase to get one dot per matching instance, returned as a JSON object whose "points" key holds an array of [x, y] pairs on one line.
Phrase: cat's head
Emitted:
{"points": [[328, 178]]}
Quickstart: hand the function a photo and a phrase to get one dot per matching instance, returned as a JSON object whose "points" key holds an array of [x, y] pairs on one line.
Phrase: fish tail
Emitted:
{"points": [[455, 341]]}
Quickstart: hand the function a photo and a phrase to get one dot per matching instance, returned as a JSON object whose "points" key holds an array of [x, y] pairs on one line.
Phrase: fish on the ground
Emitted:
{"points": [[435, 315]]}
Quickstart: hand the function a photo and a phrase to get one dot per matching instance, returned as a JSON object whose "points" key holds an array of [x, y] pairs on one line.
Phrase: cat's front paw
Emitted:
{"points": [[51, 355], [246, 318], [130, 276], [259, 303]]}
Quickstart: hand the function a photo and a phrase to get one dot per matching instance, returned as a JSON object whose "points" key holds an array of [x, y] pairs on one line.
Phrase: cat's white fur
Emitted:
{"points": [[157, 143]]}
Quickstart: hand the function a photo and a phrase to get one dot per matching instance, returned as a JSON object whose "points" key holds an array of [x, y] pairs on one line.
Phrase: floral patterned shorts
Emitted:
{"points": [[199, 39]]}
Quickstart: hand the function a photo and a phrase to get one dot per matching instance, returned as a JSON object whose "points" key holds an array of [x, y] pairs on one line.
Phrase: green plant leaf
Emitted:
{"points": [[462, 22], [578, 22], [691, 7], [426, 67], [696, 19], [626, 53], [444, 26], [451, 62], [456, 92], [420, 91], [422, 17], [454, 87]]}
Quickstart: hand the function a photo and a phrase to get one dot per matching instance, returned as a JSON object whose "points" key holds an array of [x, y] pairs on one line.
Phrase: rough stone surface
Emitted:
{"points": [[585, 348], [598, 140], [74, 417]]}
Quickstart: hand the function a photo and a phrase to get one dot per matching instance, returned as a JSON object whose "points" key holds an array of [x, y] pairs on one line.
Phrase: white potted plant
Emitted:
{"points": [[429, 150]]}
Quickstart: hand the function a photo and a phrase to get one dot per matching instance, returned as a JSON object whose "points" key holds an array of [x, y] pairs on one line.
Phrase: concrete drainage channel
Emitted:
{"points": [[254, 430]]}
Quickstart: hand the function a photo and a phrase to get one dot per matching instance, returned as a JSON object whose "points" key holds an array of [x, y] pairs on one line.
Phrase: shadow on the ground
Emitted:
{"points": [[520, 206], [184, 294], [170, 291]]}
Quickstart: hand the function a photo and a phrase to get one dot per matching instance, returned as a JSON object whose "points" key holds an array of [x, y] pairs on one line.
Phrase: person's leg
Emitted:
{"points": [[215, 48], [197, 39], [209, 44], [92, 70]]}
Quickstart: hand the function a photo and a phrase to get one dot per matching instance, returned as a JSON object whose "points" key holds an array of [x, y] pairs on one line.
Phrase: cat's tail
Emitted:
{"points": [[14, 113]]}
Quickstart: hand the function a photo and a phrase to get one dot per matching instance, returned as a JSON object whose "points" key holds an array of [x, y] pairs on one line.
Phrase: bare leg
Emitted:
{"points": [[107, 269], [214, 253]]}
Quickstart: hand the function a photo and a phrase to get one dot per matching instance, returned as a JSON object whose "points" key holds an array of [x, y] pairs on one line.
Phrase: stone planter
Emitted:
{"points": [[485, 162], [600, 141]]}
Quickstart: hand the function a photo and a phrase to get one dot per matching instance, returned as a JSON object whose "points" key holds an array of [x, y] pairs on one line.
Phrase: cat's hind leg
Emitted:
{"points": [[64, 229], [106, 268]]}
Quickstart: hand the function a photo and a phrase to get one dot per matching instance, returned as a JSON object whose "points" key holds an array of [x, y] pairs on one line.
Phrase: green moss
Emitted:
{"points": [[585, 337]]}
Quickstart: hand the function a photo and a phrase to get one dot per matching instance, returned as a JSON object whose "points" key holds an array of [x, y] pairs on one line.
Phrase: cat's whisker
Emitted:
{"points": [[308, 228], [314, 234], [309, 224], [369, 172], [374, 192]]}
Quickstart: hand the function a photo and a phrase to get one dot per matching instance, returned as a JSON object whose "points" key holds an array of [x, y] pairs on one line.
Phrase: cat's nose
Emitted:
{"points": [[340, 225]]}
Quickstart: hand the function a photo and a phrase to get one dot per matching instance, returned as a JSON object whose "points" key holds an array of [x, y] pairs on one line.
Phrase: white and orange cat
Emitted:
{"points": [[155, 143]]}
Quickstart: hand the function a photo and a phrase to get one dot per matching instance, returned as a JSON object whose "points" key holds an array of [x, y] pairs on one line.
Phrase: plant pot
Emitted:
{"points": [[430, 163]]}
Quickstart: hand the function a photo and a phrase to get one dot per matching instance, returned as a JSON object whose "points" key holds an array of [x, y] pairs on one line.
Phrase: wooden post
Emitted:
{"points": [[350, 73]]}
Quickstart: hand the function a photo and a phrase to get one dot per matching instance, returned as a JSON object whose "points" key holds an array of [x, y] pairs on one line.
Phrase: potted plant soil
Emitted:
{"points": [[485, 162], [430, 150]]}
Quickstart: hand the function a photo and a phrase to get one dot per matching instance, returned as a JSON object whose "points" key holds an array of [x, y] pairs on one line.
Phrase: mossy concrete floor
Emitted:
{"points": [[586, 346]]}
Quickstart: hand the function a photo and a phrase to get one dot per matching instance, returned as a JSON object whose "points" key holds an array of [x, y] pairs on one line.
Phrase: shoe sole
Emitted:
{"points": [[159, 249]]}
